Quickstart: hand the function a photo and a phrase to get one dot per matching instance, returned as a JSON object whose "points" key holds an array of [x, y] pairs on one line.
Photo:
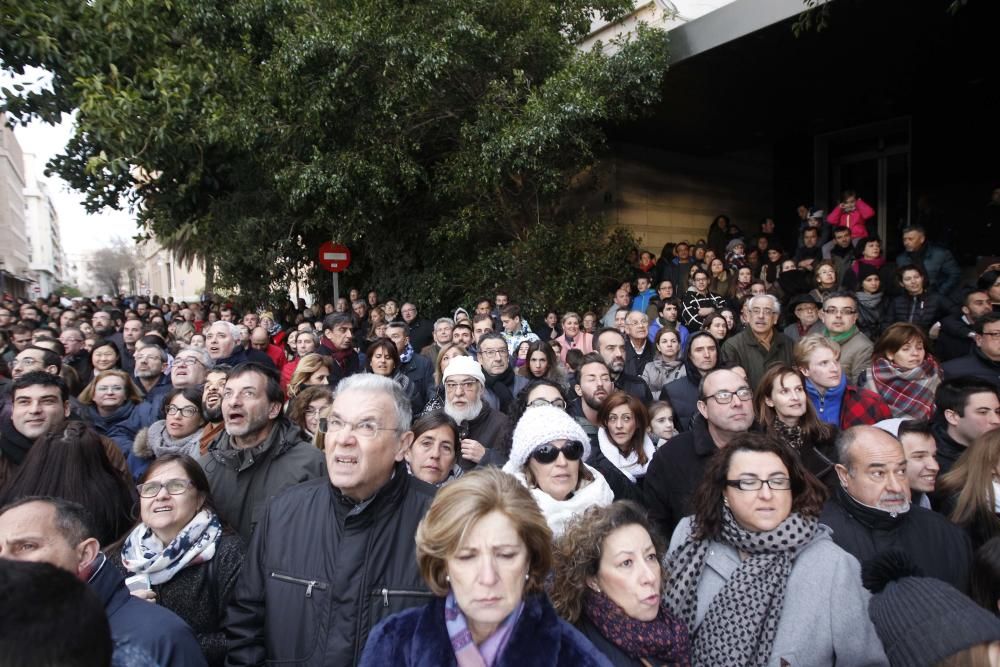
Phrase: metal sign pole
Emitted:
{"points": [[336, 289]]}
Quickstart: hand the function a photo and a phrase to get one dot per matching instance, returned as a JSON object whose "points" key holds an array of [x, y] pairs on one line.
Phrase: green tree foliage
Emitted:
{"points": [[442, 141]]}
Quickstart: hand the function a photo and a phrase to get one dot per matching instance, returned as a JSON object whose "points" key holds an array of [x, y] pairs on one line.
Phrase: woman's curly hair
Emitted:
{"points": [[577, 555]]}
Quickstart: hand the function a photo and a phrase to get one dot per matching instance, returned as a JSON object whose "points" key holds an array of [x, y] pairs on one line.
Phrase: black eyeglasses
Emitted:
{"points": [[755, 483], [547, 453]]}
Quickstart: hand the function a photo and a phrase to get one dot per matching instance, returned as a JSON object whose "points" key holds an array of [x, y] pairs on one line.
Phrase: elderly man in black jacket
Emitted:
{"points": [[333, 557], [871, 511]]}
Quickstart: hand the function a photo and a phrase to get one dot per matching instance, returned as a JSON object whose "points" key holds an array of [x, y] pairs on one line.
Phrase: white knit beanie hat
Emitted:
{"points": [[464, 366], [540, 425]]}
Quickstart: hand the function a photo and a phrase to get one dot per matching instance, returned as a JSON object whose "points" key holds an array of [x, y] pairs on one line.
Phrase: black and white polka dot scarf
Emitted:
{"points": [[742, 621]]}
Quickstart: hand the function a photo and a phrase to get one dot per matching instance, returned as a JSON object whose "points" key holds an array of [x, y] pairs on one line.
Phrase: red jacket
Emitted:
{"points": [[277, 355], [862, 407]]}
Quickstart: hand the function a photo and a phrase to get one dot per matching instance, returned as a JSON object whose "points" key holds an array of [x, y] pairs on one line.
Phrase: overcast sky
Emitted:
{"points": [[80, 232]]}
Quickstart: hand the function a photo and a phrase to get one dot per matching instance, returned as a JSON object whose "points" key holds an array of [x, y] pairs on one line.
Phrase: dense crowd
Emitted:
{"points": [[751, 455]]}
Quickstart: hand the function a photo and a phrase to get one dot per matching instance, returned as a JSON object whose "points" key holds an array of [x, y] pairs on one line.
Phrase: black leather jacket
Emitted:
{"points": [[322, 571]]}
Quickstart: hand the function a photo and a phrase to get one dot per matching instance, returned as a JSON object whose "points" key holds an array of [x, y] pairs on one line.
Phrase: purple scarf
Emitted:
{"points": [[467, 654], [664, 639]]}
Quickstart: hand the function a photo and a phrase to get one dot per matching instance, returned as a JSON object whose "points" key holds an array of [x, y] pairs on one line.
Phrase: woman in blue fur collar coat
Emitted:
{"points": [[484, 549]]}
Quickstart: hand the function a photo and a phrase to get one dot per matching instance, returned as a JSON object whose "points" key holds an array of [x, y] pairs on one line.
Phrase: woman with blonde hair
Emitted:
{"points": [[484, 550], [313, 369], [113, 405], [972, 489]]}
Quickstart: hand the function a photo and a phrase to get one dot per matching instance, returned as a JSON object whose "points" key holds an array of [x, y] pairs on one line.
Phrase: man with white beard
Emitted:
{"points": [[484, 433]]}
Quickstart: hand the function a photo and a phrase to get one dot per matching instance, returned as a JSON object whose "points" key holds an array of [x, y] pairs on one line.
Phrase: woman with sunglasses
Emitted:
{"points": [[180, 555], [177, 432], [547, 456], [744, 571]]}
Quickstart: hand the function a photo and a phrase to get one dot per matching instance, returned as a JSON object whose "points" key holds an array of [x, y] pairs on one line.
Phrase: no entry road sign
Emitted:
{"points": [[334, 257]]}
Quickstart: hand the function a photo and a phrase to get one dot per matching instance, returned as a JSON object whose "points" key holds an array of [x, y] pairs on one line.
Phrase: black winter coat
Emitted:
{"points": [[634, 385], [938, 547], [923, 310], [322, 571], [199, 593], [976, 364], [673, 475], [493, 430], [955, 339], [421, 374], [622, 486]]}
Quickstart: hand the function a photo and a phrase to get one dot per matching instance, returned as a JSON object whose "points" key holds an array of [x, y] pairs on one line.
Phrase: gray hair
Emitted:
{"points": [[376, 384], [444, 320], [203, 356], [775, 304], [233, 330]]}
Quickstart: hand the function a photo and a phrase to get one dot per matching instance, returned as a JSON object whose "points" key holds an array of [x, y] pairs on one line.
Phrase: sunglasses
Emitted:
{"points": [[547, 453]]}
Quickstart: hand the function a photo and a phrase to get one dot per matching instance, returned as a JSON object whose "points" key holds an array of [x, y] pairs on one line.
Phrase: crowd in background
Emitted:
{"points": [[769, 448]]}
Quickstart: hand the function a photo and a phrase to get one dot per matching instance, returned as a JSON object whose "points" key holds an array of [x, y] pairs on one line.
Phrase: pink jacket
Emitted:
{"points": [[855, 221], [582, 341]]}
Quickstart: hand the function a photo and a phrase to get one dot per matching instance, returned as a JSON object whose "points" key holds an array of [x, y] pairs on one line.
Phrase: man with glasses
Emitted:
{"points": [[760, 345], [484, 433], [34, 358], [261, 451], [726, 403], [502, 383], [871, 511], [840, 322], [336, 553], [983, 361], [189, 367], [77, 357]]}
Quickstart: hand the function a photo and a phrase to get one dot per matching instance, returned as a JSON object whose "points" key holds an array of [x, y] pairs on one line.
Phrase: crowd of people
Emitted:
{"points": [[751, 455]]}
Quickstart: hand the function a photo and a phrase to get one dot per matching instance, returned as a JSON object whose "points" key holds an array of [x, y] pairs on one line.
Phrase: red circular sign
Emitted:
{"points": [[334, 257]]}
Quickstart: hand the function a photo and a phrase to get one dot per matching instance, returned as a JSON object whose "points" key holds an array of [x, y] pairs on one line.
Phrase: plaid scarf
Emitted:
{"points": [[909, 393], [742, 620]]}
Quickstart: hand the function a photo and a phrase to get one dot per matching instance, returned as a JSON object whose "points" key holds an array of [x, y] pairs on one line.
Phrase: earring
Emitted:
{"points": [[527, 576], [447, 578]]}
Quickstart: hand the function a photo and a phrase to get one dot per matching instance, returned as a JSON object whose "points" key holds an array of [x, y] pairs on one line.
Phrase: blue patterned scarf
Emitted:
{"points": [[407, 354], [144, 553]]}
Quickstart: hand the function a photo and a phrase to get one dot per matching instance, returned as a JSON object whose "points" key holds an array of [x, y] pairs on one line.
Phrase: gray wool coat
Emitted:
{"points": [[824, 620]]}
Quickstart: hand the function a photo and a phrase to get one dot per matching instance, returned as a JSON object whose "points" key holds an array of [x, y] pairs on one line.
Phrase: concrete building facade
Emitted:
{"points": [[14, 251]]}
